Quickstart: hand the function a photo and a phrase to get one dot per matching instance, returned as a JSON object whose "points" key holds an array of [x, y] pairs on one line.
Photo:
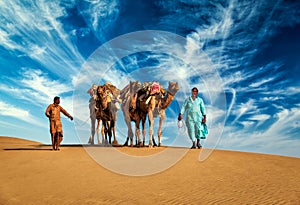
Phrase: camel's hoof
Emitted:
{"points": [[154, 143], [140, 144], [115, 142], [159, 144], [125, 144]]}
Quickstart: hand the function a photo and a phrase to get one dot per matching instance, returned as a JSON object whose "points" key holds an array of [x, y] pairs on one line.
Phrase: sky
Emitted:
{"points": [[242, 55]]}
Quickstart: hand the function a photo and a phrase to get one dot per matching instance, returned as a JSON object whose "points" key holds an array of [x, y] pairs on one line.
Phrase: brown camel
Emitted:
{"points": [[107, 110], [131, 114], [143, 101], [92, 107], [162, 104], [155, 105]]}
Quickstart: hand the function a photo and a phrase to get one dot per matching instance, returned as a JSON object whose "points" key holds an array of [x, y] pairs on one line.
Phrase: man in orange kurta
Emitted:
{"points": [[53, 113]]}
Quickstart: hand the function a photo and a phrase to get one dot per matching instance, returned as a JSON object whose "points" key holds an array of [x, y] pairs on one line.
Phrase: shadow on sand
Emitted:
{"points": [[47, 147]]}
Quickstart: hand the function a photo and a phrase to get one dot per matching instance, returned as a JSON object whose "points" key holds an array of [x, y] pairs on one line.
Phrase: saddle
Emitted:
{"points": [[148, 89]]}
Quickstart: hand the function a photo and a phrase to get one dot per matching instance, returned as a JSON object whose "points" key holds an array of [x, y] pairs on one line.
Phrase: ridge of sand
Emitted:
{"points": [[32, 174]]}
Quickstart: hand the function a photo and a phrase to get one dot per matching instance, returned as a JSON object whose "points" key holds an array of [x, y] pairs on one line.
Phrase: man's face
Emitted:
{"points": [[194, 93], [57, 101]]}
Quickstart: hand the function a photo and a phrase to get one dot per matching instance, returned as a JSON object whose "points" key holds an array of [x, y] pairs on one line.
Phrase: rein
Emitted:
{"points": [[181, 126]]}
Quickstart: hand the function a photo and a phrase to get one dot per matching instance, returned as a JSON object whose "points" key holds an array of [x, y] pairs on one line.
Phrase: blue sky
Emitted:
{"points": [[242, 55]]}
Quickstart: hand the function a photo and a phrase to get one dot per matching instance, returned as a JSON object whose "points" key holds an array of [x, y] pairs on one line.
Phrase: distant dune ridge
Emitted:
{"points": [[33, 174]]}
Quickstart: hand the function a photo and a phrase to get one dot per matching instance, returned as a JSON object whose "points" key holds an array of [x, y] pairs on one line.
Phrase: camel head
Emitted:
{"points": [[113, 89], [173, 88], [93, 91], [104, 96], [134, 86]]}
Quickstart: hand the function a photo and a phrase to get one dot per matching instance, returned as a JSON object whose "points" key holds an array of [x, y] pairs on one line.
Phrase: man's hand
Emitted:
{"points": [[204, 119], [71, 118], [180, 117]]}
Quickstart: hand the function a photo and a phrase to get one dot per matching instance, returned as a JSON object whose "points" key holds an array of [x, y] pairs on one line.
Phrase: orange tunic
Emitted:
{"points": [[53, 113]]}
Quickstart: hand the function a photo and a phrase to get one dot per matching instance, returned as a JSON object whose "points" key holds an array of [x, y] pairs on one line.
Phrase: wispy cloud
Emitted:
{"points": [[39, 39], [18, 113], [99, 15], [280, 138], [35, 87]]}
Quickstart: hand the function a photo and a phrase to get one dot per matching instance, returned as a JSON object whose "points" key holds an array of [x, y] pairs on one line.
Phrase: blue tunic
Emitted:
{"points": [[195, 111]]}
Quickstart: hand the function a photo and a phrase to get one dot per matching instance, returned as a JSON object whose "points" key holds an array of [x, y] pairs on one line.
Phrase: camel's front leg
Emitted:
{"points": [[114, 132], [137, 133], [125, 109], [98, 132], [114, 123], [144, 129], [162, 116], [108, 131], [91, 139], [151, 119], [104, 132]]}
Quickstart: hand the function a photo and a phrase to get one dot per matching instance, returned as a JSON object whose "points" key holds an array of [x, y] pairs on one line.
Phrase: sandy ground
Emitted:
{"points": [[33, 174]]}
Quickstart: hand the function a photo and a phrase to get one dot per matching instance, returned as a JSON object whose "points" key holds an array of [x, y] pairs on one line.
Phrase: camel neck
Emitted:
{"points": [[167, 100]]}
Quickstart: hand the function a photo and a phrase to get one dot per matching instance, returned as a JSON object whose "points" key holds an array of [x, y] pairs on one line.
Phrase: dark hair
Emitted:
{"points": [[56, 98], [194, 88]]}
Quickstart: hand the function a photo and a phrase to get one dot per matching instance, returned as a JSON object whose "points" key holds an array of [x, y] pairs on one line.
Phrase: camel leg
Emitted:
{"points": [[137, 133], [144, 129], [114, 123], [98, 132], [91, 139], [109, 131], [104, 133], [150, 117], [153, 141], [125, 110], [161, 121], [114, 131], [151, 120]]}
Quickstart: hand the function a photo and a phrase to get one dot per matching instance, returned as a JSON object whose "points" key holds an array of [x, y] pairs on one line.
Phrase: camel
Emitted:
{"points": [[132, 114], [147, 101], [105, 104], [156, 105], [161, 106], [92, 106]]}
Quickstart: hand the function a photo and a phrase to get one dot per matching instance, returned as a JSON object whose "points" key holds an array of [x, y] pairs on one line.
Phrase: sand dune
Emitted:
{"points": [[33, 174]]}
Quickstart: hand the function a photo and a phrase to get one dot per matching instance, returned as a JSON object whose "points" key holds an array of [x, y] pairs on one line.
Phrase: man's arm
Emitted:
{"points": [[66, 113], [47, 111], [180, 117], [203, 111]]}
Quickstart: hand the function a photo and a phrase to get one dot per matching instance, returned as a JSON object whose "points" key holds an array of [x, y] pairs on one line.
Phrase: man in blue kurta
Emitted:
{"points": [[195, 117]]}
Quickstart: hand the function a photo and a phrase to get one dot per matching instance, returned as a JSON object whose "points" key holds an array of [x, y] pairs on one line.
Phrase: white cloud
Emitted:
{"points": [[261, 82], [18, 113], [276, 139], [35, 87], [244, 108], [38, 38]]}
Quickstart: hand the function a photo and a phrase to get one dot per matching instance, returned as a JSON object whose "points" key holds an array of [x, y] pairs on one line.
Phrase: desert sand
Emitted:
{"points": [[33, 174]]}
